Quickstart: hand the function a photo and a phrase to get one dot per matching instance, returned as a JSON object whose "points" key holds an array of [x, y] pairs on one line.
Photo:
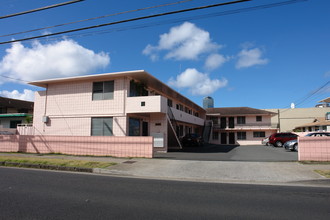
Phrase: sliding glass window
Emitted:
{"points": [[134, 127], [101, 127], [103, 90]]}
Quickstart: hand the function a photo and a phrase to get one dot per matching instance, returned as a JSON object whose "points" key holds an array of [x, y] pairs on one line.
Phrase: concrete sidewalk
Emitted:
{"points": [[278, 173], [273, 173]]}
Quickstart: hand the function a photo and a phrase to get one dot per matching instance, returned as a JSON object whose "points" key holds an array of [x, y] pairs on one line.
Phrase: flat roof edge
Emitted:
{"points": [[43, 83]]}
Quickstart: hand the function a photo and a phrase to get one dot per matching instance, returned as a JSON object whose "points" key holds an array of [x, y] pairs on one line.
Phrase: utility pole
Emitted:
{"points": [[279, 120]]}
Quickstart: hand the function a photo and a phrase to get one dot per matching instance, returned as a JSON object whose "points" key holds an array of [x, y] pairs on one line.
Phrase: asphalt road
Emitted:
{"points": [[38, 194], [211, 152]]}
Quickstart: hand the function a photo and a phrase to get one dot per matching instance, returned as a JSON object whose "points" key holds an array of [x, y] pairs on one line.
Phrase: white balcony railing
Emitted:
{"points": [[185, 117], [25, 129], [247, 126]]}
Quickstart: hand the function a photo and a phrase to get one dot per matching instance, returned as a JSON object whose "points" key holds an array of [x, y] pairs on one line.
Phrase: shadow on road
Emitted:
{"points": [[207, 148], [211, 152]]}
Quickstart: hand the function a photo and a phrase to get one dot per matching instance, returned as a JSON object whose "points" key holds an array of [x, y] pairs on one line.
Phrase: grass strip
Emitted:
{"points": [[325, 173], [55, 162]]}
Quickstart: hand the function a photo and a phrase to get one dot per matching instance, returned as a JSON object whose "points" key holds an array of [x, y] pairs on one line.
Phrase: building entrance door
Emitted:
{"points": [[223, 138], [231, 123], [231, 138], [145, 129], [223, 122]]}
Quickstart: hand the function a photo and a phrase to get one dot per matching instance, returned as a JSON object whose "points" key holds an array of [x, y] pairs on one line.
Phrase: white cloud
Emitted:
{"points": [[250, 57], [42, 61], [27, 94], [214, 61], [197, 83], [184, 42]]}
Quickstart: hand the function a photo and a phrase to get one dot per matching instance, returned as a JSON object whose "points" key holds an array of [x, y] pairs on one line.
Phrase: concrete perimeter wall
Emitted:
{"points": [[314, 148], [78, 145]]}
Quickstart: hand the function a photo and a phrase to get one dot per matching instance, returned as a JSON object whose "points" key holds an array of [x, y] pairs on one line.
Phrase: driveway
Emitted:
{"points": [[211, 152]]}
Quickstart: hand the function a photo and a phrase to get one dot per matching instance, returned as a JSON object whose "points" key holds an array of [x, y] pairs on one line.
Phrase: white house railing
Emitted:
{"points": [[25, 129]]}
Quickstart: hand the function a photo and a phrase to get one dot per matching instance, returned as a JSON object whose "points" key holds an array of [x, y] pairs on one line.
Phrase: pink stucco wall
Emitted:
{"points": [[70, 108], [77, 145], [314, 148], [159, 124]]}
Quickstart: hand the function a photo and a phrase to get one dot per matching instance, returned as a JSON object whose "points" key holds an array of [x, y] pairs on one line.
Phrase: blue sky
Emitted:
{"points": [[265, 58]]}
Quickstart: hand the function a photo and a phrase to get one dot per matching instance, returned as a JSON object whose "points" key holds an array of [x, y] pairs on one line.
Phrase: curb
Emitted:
{"points": [[47, 167]]}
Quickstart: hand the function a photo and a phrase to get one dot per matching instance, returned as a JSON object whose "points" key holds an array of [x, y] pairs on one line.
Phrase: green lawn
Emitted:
{"points": [[56, 162], [325, 173]]}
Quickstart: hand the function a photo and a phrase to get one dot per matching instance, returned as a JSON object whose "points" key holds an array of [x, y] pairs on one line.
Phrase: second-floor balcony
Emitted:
{"points": [[146, 104], [247, 126], [158, 104]]}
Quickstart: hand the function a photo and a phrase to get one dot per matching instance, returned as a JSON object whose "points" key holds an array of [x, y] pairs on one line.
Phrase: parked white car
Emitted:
{"points": [[265, 141]]}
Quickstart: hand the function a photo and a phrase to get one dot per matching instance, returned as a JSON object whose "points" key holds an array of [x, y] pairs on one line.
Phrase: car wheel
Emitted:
{"points": [[295, 147], [278, 144]]}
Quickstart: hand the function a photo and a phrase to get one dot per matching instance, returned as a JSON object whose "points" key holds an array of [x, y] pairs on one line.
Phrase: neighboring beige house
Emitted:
{"points": [[319, 124], [132, 103], [289, 119], [240, 125], [14, 112]]}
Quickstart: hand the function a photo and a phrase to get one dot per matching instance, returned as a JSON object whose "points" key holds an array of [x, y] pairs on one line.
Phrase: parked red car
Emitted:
{"points": [[278, 139]]}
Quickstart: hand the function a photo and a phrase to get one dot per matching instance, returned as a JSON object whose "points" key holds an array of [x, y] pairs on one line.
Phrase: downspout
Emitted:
{"points": [[126, 87], [125, 94], [45, 110], [279, 120]]}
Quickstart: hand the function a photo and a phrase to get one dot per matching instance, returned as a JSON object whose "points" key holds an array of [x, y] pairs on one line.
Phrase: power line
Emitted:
{"points": [[313, 93], [229, 12], [146, 25], [308, 96], [217, 14], [13, 78], [127, 20], [95, 18], [40, 9]]}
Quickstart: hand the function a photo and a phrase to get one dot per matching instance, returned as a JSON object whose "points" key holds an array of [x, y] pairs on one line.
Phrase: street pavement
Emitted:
{"points": [[39, 194], [238, 170]]}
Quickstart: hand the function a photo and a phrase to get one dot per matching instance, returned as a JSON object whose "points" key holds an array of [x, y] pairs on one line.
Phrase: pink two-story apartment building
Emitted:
{"points": [[240, 125], [131, 103]]}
